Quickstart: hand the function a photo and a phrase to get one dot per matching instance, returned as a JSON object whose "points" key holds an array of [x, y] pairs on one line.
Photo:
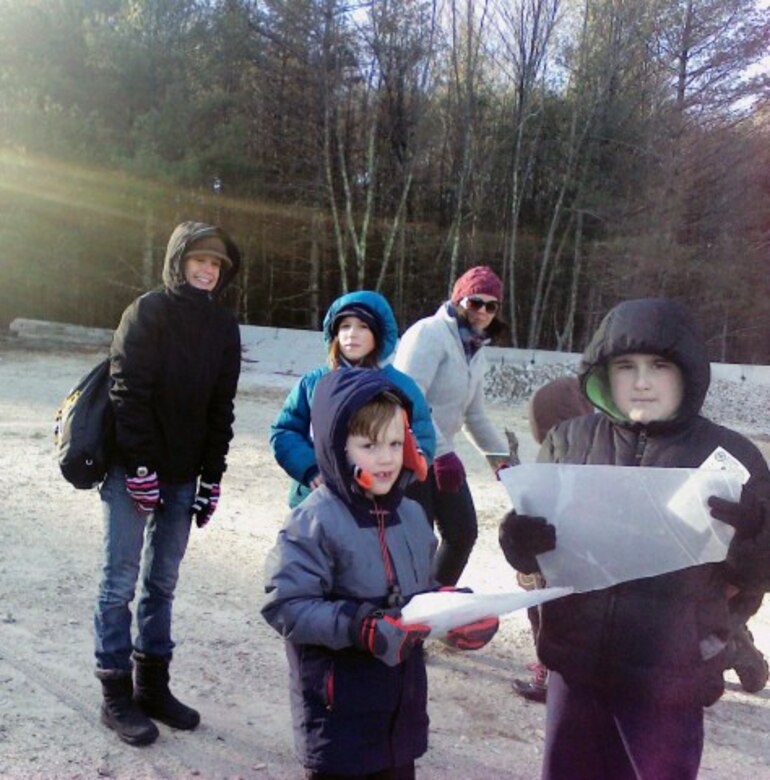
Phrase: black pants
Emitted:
{"points": [[591, 736], [455, 516], [400, 773]]}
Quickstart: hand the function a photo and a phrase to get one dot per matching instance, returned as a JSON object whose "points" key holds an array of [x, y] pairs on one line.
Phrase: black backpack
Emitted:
{"points": [[84, 435]]}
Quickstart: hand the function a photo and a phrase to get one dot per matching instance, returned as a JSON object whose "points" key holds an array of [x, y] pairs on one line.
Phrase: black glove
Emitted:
{"points": [[205, 503], [522, 537], [382, 634], [746, 516]]}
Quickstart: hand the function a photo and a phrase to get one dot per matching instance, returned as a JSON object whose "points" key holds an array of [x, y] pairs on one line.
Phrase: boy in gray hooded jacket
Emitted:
{"points": [[348, 558]]}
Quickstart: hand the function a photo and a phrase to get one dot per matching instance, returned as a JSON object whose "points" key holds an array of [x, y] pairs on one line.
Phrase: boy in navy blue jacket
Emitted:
{"points": [[348, 558]]}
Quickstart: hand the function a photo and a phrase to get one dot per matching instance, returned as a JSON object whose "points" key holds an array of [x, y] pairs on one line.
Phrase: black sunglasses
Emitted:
{"points": [[477, 304]]}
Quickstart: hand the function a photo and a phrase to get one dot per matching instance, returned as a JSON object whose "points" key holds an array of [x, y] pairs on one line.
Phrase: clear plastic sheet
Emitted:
{"points": [[445, 610], [616, 523]]}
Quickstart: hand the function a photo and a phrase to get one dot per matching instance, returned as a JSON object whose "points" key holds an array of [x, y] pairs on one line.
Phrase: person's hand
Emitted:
{"points": [[522, 537], [473, 636], [501, 467], [316, 482], [205, 503], [449, 472], [144, 488], [382, 634], [746, 516]]}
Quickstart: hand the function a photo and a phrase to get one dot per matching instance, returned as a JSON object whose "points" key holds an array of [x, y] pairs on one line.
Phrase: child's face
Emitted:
{"points": [[646, 388], [382, 458], [202, 271], [355, 338]]}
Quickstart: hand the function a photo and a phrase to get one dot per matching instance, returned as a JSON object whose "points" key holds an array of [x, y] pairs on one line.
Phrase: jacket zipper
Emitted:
{"points": [[641, 445], [395, 599]]}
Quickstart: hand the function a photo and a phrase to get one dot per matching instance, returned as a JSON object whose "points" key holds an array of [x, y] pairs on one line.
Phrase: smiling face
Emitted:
{"points": [[381, 457], [355, 338], [646, 388], [202, 271]]}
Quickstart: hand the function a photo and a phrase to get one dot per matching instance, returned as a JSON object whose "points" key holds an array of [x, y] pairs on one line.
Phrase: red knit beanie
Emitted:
{"points": [[480, 280]]}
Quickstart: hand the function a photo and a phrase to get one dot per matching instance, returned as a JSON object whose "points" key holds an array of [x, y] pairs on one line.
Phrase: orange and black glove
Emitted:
{"points": [[473, 636], [381, 633]]}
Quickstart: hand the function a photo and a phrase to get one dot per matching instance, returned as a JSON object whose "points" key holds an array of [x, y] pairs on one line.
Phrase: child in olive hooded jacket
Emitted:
{"points": [[632, 666]]}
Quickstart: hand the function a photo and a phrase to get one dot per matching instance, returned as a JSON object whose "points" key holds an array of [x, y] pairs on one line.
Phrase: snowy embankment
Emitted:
{"points": [[739, 396]]}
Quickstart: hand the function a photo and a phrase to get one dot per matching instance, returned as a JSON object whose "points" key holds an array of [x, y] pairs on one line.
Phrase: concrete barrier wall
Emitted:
{"points": [[290, 352], [59, 332]]}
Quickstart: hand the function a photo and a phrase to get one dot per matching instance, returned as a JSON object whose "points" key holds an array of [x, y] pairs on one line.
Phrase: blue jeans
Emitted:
{"points": [[154, 543]]}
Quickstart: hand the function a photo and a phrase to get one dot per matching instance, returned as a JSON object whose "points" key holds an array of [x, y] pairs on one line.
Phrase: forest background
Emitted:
{"points": [[588, 150]]}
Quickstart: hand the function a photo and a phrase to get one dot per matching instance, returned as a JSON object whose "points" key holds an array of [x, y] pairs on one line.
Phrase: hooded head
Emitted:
{"points": [[374, 310], [338, 396], [191, 239], [648, 326]]}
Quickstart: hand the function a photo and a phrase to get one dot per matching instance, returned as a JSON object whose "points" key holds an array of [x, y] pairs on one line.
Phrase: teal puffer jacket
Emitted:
{"points": [[290, 434]]}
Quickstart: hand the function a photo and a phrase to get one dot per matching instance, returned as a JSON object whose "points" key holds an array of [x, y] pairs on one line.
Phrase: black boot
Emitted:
{"points": [[119, 711], [151, 693]]}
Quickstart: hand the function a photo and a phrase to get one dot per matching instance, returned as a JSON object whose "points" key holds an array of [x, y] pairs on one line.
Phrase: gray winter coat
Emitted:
{"points": [[352, 714]]}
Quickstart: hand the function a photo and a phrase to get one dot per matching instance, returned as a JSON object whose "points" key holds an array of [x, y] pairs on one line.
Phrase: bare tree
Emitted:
{"points": [[525, 29]]}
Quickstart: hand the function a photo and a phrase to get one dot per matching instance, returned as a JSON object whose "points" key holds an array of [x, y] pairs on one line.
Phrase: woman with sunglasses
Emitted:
{"points": [[443, 354]]}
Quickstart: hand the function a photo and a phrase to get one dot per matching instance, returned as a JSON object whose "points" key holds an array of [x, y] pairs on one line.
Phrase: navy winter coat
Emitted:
{"points": [[352, 713]]}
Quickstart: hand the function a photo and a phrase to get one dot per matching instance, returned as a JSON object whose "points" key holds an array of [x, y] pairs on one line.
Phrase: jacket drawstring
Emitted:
{"points": [[395, 599]]}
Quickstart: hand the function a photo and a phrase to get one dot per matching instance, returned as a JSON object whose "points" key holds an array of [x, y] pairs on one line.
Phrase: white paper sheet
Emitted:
{"points": [[615, 523], [445, 610]]}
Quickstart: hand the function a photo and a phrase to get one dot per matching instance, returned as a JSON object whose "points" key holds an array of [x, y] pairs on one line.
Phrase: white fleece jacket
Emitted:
{"points": [[431, 352]]}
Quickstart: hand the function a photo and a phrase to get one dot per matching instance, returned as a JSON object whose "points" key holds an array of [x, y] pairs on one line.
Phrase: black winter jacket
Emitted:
{"points": [[654, 636], [175, 362]]}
